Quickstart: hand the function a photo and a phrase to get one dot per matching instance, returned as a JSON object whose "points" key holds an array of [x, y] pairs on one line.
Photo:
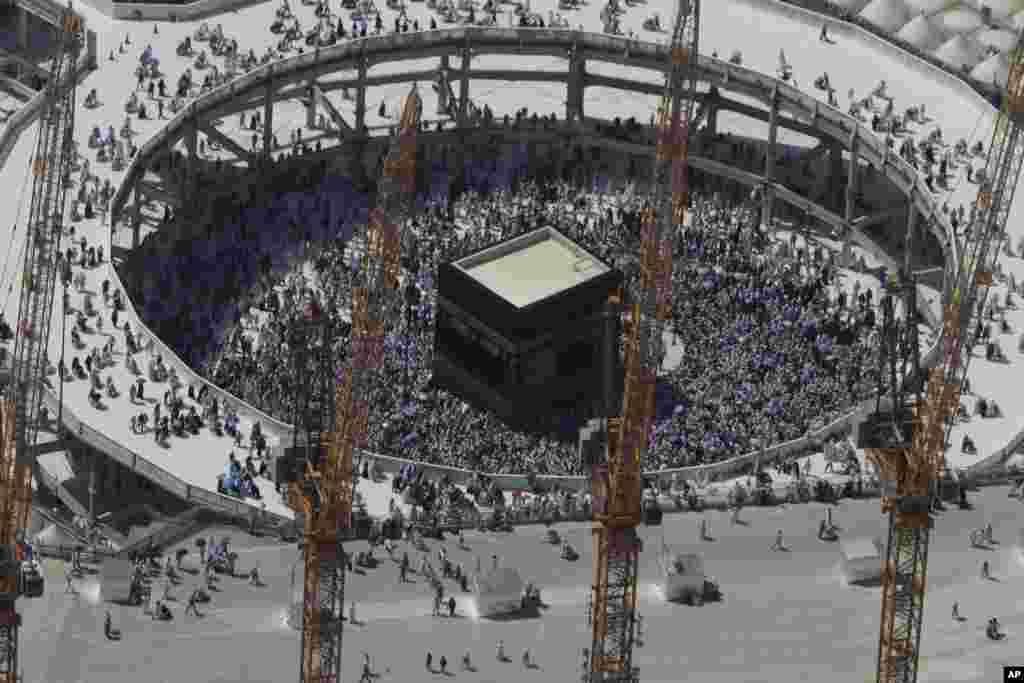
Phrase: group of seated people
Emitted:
{"points": [[238, 481]]}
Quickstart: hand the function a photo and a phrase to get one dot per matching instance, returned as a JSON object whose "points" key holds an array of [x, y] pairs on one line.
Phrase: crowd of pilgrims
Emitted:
{"points": [[793, 349]]}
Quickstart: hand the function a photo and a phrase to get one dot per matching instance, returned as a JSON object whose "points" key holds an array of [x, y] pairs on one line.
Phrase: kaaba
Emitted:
{"points": [[525, 330]]}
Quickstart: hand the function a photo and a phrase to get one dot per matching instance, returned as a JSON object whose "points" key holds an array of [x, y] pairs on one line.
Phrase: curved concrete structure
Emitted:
{"points": [[291, 78]]}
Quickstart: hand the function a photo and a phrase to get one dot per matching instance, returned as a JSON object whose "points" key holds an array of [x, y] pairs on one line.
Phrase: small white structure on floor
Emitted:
{"points": [[862, 560], [684, 575], [499, 591]]}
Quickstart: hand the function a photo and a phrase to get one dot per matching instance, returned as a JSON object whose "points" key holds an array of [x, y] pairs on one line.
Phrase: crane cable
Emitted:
{"points": [[14, 229]]}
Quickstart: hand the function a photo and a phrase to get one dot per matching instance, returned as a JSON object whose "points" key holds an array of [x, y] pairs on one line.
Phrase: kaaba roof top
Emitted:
{"points": [[532, 267]]}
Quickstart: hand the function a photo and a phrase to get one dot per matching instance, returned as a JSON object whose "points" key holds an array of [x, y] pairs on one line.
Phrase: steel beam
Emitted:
{"points": [[320, 100], [36, 69], [224, 141], [865, 222], [268, 119], [147, 190]]}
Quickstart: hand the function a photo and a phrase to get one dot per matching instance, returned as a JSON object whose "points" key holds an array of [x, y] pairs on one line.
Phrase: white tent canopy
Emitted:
{"points": [[888, 15], [995, 69], [1000, 38], [959, 52], [961, 20], [862, 559], [922, 33], [499, 591]]}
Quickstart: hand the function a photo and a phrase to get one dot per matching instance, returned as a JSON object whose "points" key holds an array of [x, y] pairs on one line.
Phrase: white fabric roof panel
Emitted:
{"points": [[1002, 39], [888, 15], [959, 52], [922, 33], [961, 20], [995, 69]]}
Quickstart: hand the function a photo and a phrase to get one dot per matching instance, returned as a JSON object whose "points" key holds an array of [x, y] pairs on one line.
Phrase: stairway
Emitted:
{"points": [[168, 532]]}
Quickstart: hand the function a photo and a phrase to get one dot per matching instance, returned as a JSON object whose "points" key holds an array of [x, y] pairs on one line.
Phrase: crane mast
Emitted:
{"points": [[617, 486], [911, 469], [19, 429], [327, 493]]}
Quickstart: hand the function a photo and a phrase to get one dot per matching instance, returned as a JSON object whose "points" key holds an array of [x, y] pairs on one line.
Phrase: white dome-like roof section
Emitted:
{"points": [[994, 70], [927, 7], [959, 52], [1018, 20], [961, 20], [888, 15], [922, 34], [1000, 38], [850, 5]]}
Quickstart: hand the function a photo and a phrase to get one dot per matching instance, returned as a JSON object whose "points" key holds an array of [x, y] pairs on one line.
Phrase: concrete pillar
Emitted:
{"points": [[711, 125], [136, 221], [312, 108], [852, 172], [361, 98], [464, 89], [768, 195], [463, 122], [574, 91], [908, 241], [93, 464], [835, 174], [189, 180], [444, 71], [22, 29], [268, 120]]}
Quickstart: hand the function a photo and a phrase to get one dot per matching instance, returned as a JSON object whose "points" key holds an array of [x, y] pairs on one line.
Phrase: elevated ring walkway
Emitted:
{"points": [[174, 471]]}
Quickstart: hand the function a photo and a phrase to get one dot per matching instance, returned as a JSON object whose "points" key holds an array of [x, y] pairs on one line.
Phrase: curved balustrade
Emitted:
{"points": [[526, 41]]}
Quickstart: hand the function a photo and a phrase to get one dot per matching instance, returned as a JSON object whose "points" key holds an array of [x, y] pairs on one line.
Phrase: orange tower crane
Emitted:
{"points": [[19, 428], [617, 486], [912, 462], [325, 497]]}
